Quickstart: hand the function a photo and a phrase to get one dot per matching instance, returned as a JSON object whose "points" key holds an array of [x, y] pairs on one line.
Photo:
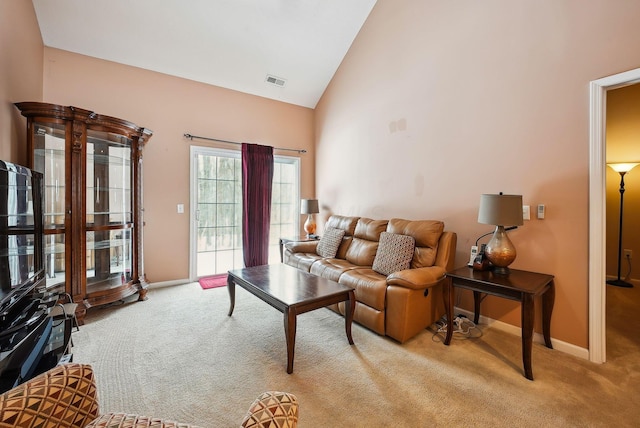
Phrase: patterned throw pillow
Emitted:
{"points": [[394, 253], [330, 241]]}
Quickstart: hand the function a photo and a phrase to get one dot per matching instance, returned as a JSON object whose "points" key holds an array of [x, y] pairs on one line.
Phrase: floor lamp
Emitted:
{"points": [[622, 169]]}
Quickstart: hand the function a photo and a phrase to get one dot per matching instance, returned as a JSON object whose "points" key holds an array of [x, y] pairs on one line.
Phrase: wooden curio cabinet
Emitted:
{"points": [[92, 166]]}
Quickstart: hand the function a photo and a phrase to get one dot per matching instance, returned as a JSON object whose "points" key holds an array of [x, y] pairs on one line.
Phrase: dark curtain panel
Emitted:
{"points": [[257, 175]]}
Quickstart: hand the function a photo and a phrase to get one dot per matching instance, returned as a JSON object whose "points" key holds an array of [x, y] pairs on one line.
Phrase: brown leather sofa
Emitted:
{"points": [[397, 304]]}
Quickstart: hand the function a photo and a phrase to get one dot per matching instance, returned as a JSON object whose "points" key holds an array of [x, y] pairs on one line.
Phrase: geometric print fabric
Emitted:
{"points": [[330, 242], [394, 254], [63, 397], [272, 409]]}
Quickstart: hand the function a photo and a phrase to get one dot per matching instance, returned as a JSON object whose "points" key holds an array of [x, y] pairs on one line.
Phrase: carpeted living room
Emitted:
{"points": [[410, 111], [218, 364]]}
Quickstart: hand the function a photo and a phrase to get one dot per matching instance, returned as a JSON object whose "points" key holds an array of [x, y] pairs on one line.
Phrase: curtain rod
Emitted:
{"points": [[191, 137]]}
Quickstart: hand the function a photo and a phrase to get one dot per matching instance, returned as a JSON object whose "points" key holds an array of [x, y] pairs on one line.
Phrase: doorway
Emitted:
{"points": [[216, 209], [597, 208]]}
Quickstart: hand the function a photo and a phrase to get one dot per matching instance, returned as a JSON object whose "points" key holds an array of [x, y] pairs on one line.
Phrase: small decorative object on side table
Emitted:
{"points": [[518, 285]]}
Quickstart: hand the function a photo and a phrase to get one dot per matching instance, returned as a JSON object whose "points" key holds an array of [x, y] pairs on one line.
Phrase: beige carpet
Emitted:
{"points": [[179, 356]]}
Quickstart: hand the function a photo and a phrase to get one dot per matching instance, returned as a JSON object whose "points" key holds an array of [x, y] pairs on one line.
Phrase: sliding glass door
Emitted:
{"points": [[216, 209]]}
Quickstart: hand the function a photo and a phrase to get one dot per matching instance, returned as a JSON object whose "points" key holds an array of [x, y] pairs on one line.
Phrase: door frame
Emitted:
{"points": [[194, 151], [597, 207]]}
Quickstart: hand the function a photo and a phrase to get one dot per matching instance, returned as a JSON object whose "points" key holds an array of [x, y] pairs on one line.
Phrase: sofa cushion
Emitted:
{"points": [[331, 268], [330, 241], [426, 233], [272, 409], [64, 397], [395, 253], [348, 224], [369, 286], [363, 248]]}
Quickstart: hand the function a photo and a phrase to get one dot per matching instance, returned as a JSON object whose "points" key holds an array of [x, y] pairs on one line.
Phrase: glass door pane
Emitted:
{"points": [[49, 159], [285, 204], [219, 213], [109, 217]]}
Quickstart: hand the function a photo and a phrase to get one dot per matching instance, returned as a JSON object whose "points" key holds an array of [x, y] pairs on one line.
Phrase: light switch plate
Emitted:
{"points": [[526, 212]]}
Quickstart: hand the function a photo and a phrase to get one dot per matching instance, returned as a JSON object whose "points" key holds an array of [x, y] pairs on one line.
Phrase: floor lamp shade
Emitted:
{"points": [[622, 168], [500, 210], [309, 207]]}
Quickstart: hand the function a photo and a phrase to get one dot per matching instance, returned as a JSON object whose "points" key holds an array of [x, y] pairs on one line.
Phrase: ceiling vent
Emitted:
{"points": [[275, 80]]}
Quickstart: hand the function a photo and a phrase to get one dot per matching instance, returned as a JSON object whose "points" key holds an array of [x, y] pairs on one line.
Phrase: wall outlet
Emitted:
{"points": [[628, 254]]}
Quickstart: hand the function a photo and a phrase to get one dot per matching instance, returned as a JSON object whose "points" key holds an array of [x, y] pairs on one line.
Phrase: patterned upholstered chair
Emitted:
{"points": [[65, 397]]}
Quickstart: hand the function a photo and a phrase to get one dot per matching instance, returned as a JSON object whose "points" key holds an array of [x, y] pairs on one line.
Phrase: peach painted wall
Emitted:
{"points": [[172, 106], [21, 51], [438, 102], [623, 145]]}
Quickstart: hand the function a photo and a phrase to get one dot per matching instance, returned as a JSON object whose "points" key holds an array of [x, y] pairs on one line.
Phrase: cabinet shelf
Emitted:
{"points": [[23, 250], [17, 230], [108, 160]]}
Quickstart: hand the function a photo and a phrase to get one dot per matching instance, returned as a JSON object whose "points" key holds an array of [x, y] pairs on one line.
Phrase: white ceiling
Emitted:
{"points": [[234, 44]]}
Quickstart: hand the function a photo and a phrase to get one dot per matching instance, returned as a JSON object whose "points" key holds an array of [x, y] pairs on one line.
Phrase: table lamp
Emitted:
{"points": [[309, 207], [500, 210]]}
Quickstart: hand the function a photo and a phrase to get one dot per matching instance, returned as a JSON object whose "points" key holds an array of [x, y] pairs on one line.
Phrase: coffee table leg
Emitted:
{"points": [[231, 286], [351, 308], [290, 334]]}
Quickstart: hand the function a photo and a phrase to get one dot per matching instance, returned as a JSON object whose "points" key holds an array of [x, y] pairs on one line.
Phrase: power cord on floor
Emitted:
{"points": [[463, 328], [628, 275]]}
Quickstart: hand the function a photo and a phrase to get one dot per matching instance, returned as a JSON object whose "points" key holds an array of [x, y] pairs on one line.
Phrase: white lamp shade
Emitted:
{"points": [[309, 206], [622, 166], [500, 210]]}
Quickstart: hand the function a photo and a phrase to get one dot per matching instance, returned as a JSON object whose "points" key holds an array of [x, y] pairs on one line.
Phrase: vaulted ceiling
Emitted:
{"points": [[244, 45]]}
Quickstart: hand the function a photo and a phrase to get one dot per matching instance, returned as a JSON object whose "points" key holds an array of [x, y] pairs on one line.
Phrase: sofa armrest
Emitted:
{"points": [[64, 396], [301, 246], [417, 279], [272, 409]]}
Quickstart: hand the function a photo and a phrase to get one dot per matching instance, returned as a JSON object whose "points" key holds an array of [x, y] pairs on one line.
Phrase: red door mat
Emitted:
{"points": [[213, 281]]}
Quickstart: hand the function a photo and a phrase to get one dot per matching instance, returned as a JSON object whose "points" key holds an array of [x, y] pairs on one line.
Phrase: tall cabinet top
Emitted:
{"points": [[35, 109]]}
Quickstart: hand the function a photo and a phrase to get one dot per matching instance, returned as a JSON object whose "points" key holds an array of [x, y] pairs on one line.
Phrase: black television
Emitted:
{"points": [[24, 322], [21, 235]]}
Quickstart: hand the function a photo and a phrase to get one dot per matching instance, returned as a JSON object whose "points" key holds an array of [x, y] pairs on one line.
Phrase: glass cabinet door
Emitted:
{"points": [[109, 214], [49, 159]]}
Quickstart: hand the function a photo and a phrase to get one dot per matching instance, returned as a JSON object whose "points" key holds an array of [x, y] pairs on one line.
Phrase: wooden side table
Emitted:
{"points": [[293, 239], [519, 285]]}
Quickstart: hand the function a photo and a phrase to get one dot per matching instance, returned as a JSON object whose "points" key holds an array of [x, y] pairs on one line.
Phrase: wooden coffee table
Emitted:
{"points": [[292, 292]]}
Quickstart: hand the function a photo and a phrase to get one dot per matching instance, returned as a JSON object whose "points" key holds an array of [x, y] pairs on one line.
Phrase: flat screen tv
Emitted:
{"points": [[21, 236]]}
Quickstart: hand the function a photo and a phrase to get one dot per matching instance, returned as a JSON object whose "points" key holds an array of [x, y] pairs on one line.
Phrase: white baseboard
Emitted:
{"points": [[567, 348], [168, 283]]}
